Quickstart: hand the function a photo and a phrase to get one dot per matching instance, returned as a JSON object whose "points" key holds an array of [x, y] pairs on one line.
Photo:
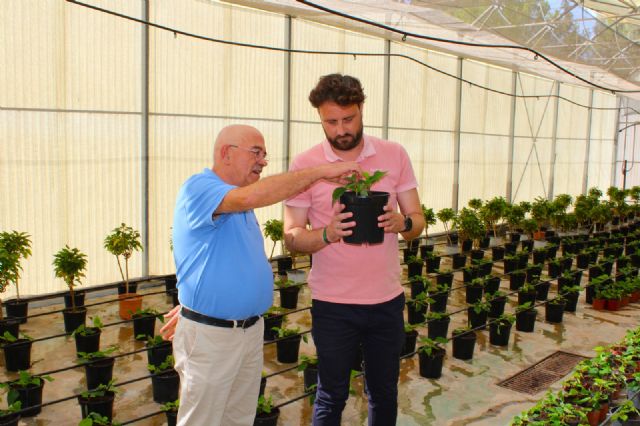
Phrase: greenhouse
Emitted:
{"points": [[508, 233]]}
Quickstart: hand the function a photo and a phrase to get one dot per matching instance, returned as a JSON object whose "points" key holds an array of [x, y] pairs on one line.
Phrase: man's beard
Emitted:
{"points": [[346, 142]]}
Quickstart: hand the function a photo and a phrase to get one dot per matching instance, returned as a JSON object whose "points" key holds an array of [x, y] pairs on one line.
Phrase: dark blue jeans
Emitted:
{"points": [[339, 330]]}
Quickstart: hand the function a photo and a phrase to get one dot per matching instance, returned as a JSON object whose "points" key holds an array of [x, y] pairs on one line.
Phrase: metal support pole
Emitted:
{"points": [[585, 174], [286, 114], [512, 137], [554, 139], [456, 146], [616, 139], [386, 88], [144, 141]]}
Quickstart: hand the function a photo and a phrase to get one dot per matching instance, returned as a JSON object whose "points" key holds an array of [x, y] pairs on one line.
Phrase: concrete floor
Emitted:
{"points": [[466, 394]]}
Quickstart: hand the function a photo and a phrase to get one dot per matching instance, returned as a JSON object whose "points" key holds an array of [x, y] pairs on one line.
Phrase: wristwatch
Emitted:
{"points": [[408, 224]]}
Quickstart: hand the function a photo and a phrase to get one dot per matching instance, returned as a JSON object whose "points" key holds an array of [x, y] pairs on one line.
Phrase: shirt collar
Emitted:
{"points": [[367, 151]]}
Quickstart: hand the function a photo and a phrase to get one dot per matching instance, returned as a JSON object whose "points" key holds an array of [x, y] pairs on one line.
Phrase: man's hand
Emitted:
{"points": [[169, 328], [339, 171], [336, 229], [391, 221]]}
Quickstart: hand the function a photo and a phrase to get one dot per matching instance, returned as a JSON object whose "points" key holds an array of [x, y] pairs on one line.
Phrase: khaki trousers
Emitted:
{"points": [[220, 370]]}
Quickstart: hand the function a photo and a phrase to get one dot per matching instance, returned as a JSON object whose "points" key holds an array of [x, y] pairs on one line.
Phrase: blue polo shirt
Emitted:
{"points": [[221, 265]]}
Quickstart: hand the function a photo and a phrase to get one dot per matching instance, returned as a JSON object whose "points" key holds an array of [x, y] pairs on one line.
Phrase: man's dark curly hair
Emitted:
{"points": [[341, 89]]}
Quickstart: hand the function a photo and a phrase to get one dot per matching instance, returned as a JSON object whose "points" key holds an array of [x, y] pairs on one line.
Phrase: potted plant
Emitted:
{"points": [[554, 309], [500, 328], [9, 269], [309, 367], [171, 411], [571, 294], [366, 206], [527, 293], [88, 338], [165, 381], [440, 296], [273, 319], [158, 349], [17, 351], [526, 317], [492, 211], [419, 284], [10, 415], [410, 337], [431, 356], [474, 290], [123, 241], [517, 279], [497, 301], [274, 230], [288, 292], [98, 366], [514, 216], [540, 212], [470, 228], [18, 245], [445, 216], [70, 264], [288, 344], [144, 323], [414, 266], [437, 324], [429, 219], [95, 419], [28, 390], [98, 400], [464, 341], [477, 314], [417, 308], [432, 262], [266, 413]]}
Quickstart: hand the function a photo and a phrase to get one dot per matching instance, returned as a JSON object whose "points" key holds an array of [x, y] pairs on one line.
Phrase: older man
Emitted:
{"points": [[225, 281]]}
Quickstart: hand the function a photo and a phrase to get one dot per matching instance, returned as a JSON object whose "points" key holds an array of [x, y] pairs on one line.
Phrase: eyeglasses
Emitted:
{"points": [[257, 152]]}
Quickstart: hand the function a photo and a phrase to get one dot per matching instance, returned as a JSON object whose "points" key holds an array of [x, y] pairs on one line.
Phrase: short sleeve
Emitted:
{"points": [[202, 197], [303, 199], [407, 179]]}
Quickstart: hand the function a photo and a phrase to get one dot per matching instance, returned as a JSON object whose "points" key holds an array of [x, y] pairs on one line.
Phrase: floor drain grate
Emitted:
{"points": [[539, 376]]}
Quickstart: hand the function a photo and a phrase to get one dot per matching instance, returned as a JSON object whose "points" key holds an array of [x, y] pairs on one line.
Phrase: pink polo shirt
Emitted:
{"points": [[347, 273]]}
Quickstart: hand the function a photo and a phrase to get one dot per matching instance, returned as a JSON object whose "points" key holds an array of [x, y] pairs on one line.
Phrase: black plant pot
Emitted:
{"points": [[463, 345], [564, 282], [438, 328], [473, 294], [492, 285], [554, 312], [73, 319], [133, 288], [477, 254], [90, 342], [365, 213], [453, 237], [510, 248], [458, 261], [144, 325], [30, 397], [431, 366], [484, 242], [284, 262], [289, 296], [466, 245], [539, 256], [468, 274], [157, 354], [288, 349], [99, 372], [12, 325], [445, 278], [310, 376], [414, 269], [271, 322], [542, 290], [485, 269], [595, 271], [17, 309], [410, 338], [477, 320], [572, 301], [523, 259], [514, 237], [166, 386], [17, 355], [497, 253], [516, 280], [439, 301], [553, 270], [533, 272], [526, 320], [433, 264], [417, 287], [415, 313], [510, 265], [267, 419], [499, 332], [526, 296], [424, 249], [170, 283], [102, 405], [407, 252], [589, 293], [78, 297], [582, 260], [527, 245], [497, 306], [10, 419]]}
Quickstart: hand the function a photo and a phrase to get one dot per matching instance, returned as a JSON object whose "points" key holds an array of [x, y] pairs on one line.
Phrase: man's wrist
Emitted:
{"points": [[324, 236]]}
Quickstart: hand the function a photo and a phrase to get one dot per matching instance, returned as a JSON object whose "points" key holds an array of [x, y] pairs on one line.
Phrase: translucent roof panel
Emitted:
{"points": [[595, 40]]}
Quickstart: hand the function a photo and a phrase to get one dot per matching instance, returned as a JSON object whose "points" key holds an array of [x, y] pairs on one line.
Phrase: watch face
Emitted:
{"points": [[408, 224]]}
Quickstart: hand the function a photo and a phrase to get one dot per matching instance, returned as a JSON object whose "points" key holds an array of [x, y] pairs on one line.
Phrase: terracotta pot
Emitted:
{"points": [[613, 304], [593, 417], [599, 304], [539, 235], [129, 304]]}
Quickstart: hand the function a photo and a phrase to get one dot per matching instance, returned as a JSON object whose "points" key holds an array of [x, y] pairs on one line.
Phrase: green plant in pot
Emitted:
{"points": [[445, 216], [274, 230], [70, 264], [492, 211], [18, 247], [469, 226], [9, 271], [308, 365], [429, 219], [95, 419], [266, 413], [88, 338], [27, 389], [365, 204], [171, 411], [122, 242], [10, 414]]}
